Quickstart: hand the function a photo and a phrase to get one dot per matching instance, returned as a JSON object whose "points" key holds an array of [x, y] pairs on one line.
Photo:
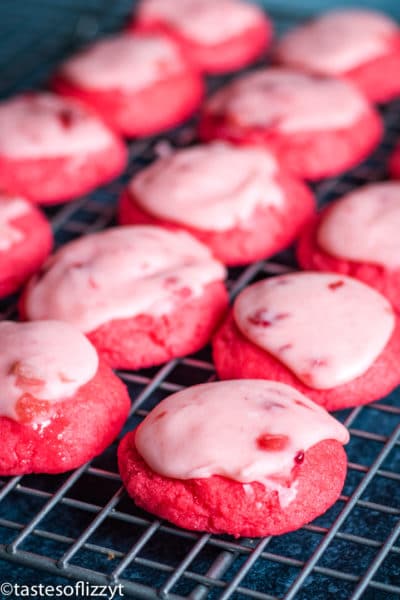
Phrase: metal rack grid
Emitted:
{"points": [[82, 526]]}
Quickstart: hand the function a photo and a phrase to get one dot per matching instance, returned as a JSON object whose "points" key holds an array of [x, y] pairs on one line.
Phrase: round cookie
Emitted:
{"points": [[329, 336], [217, 36], [362, 46], [358, 236], [316, 126], [52, 149], [264, 459], [142, 295], [139, 83], [226, 196], [394, 163], [60, 406], [25, 242]]}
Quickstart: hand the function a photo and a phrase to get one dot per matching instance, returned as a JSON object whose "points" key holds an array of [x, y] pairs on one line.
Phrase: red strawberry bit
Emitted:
{"points": [[183, 293], [25, 377], [335, 285], [93, 284], [170, 281], [272, 442], [318, 362], [285, 347], [300, 403], [29, 408], [261, 318], [299, 458], [161, 415], [66, 117], [271, 404], [64, 378]]}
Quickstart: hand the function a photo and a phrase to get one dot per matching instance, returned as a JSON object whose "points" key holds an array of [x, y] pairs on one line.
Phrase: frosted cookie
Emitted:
{"points": [[52, 149], [331, 337], [237, 201], [316, 126], [59, 406], [142, 295], [139, 83], [358, 235], [362, 46], [264, 459], [25, 242], [217, 36]]}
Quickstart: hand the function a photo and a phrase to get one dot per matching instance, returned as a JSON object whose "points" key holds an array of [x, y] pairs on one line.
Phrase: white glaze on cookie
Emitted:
{"points": [[129, 62], [40, 126], [48, 360], [364, 226], [206, 22], [212, 187], [121, 273], [338, 41], [11, 209], [326, 328], [289, 102], [248, 431]]}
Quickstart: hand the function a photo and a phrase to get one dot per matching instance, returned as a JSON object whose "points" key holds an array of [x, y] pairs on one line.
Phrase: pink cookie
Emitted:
{"points": [[217, 36], [362, 46], [359, 236], [316, 126], [264, 459], [25, 242], [139, 83], [226, 196], [142, 295], [331, 337], [59, 405], [52, 149]]}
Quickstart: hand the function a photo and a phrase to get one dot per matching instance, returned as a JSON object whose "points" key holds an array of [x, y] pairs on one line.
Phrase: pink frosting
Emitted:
{"points": [[11, 209], [248, 431], [364, 226], [289, 101], [121, 273], [214, 187], [339, 41], [126, 61], [203, 21], [48, 360], [35, 126], [326, 328]]}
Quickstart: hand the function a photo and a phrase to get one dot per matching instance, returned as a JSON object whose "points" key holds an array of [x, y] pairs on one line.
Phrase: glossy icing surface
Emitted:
{"points": [[46, 360], [212, 187], [289, 101], [339, 41], [127, 61], [11, 209], [204, 21], [326, 328], [364, 226], [121, 273], [248, 430], [42, 125]]}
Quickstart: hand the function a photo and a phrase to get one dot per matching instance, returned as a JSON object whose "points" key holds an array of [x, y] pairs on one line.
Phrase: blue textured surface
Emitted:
{"points": [[326, 559]]}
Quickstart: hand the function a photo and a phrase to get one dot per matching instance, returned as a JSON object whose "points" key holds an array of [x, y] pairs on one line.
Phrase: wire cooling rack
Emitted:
{"points": [[82, 525]]}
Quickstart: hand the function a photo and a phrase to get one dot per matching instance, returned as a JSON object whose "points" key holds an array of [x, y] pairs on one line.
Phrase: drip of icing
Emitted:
{"points": [[213, 187], [35, 126], [203, 21], [338, 41], [364, 226], [11, 209], [289, 101], [121, 273], [42, 362], [326, 328], [248, 431], [126, 61]]}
